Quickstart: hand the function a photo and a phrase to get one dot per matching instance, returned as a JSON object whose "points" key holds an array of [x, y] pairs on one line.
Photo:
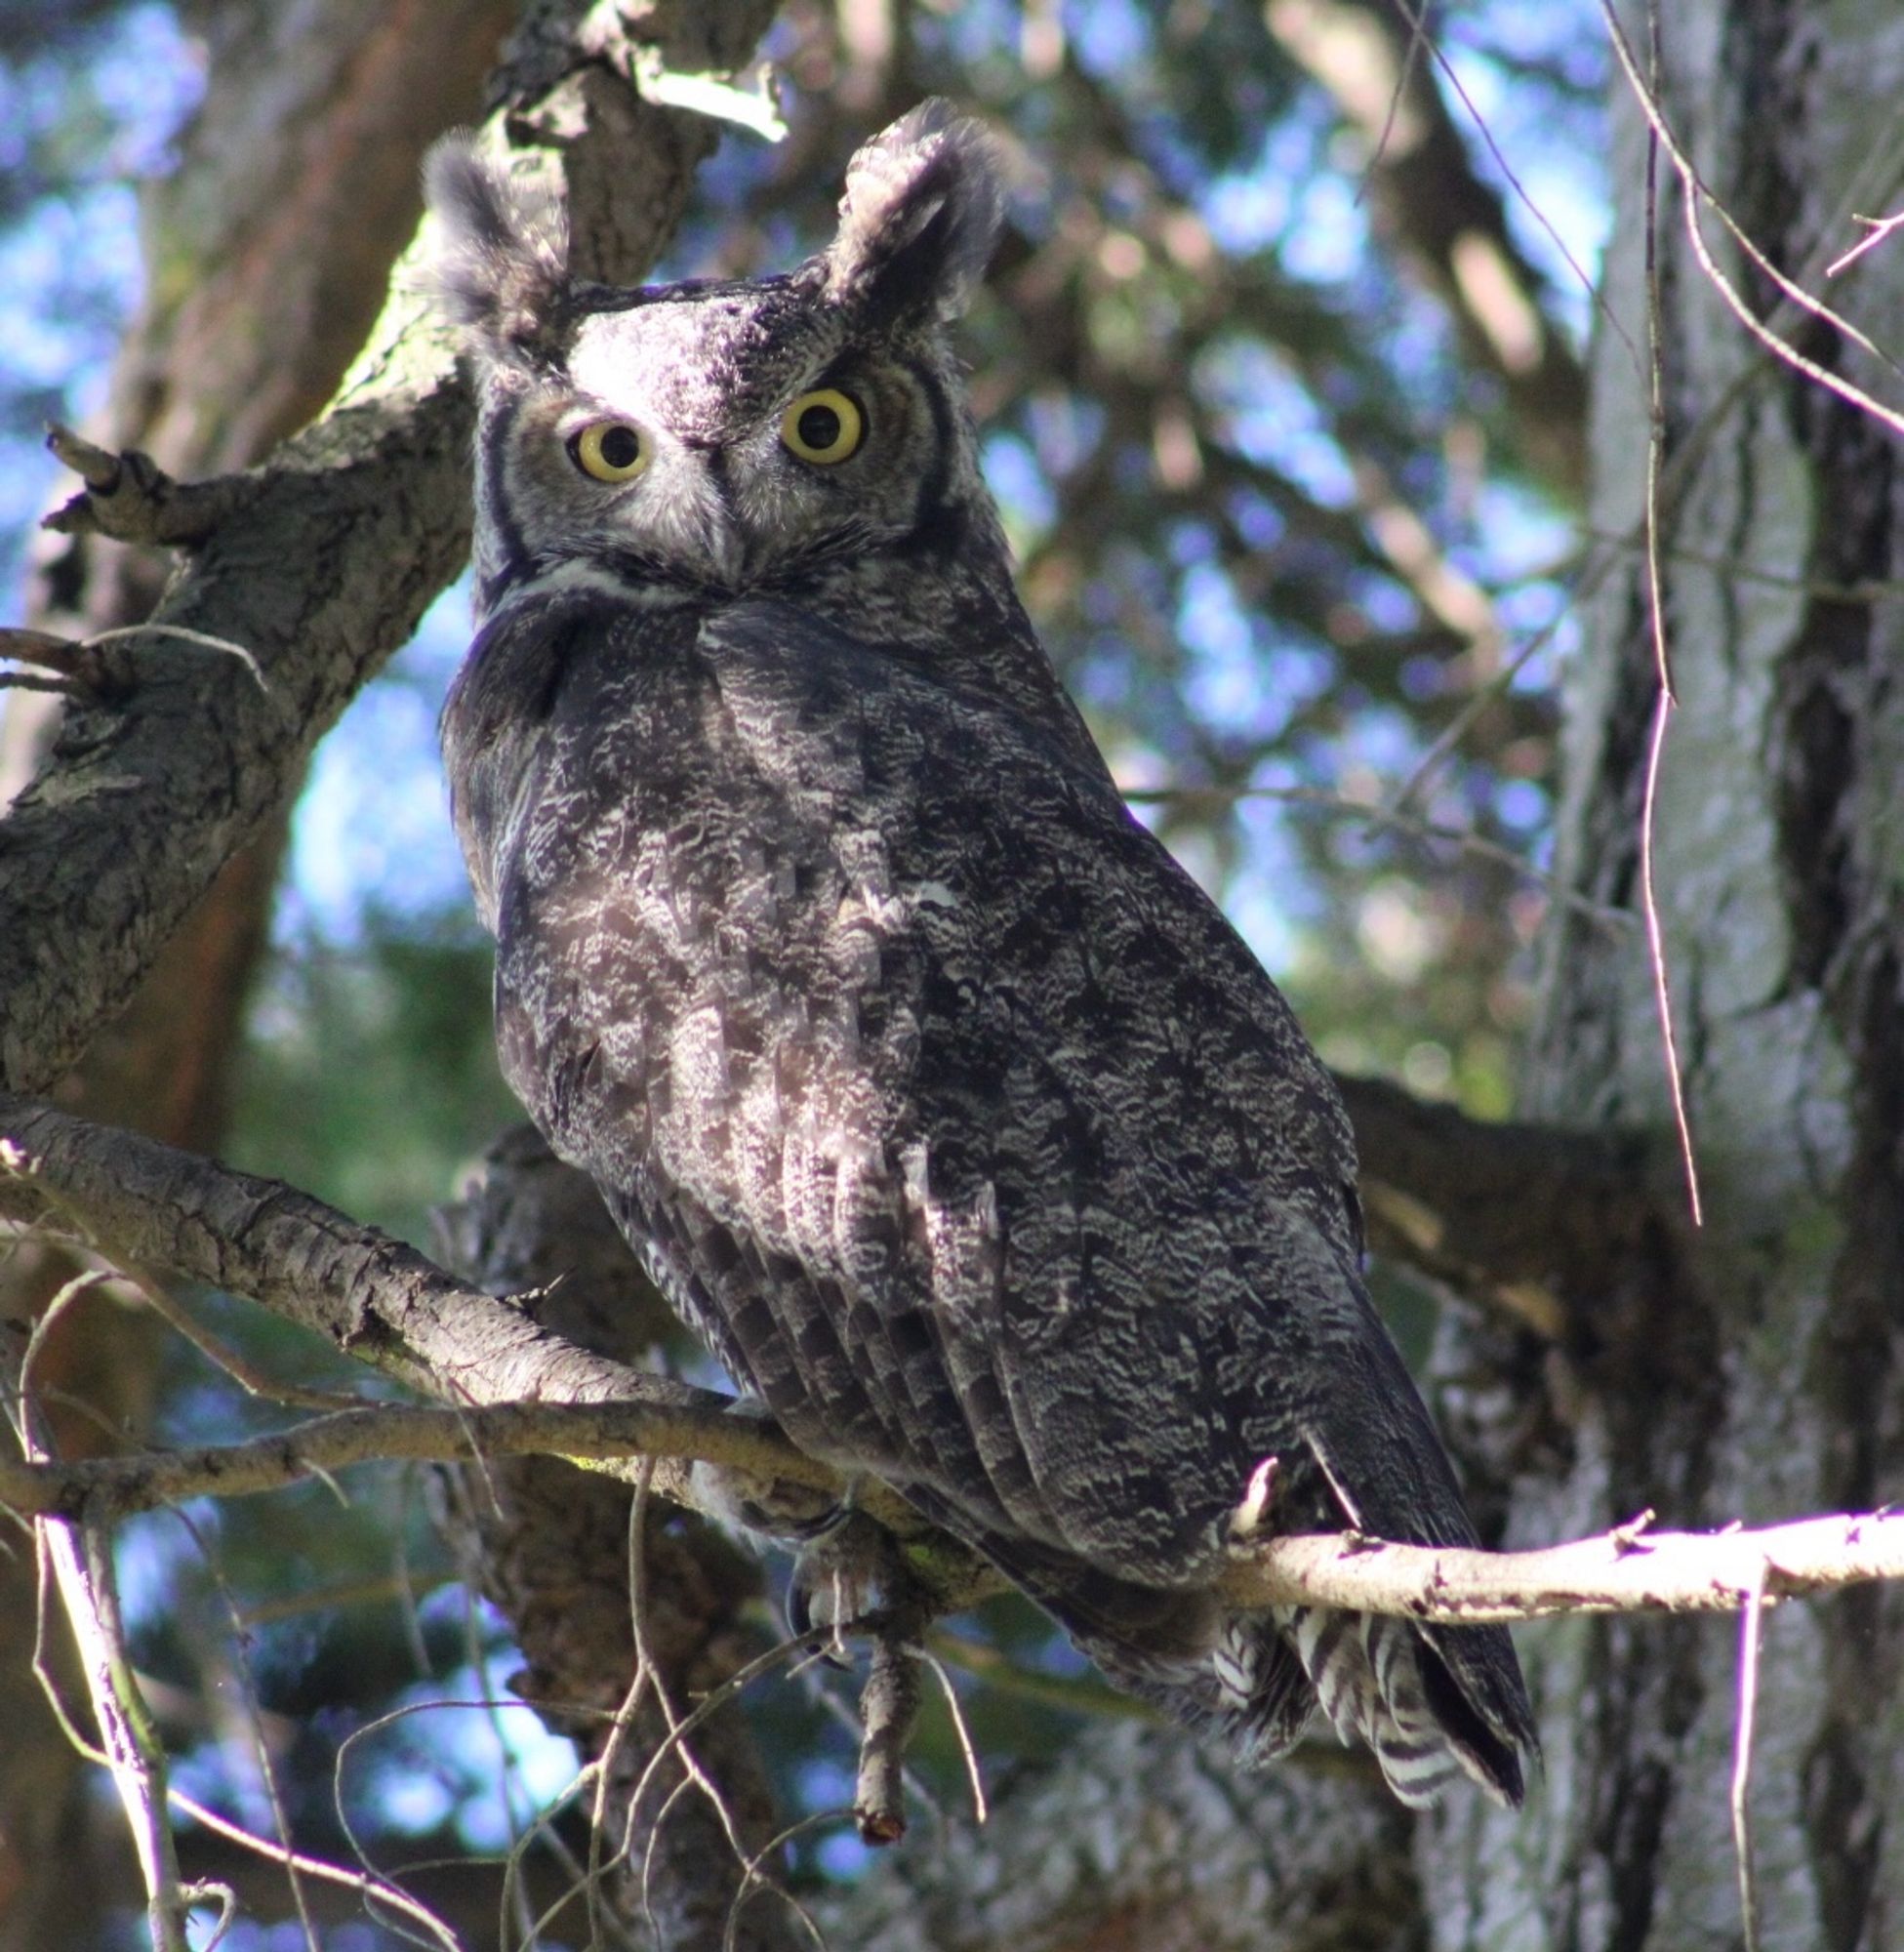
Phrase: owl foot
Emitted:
{"points": [[849, 1577], [854, 1579]]}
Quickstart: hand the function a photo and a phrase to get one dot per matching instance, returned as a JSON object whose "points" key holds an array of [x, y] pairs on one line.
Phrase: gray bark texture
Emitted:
{"points": [[139, 852], [320, 117], [1753, 1367]]}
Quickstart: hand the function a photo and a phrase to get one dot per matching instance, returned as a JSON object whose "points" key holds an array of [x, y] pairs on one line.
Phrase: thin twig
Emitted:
{"points": [[76, 1560], [730, 1937], [82, 1565], [1590, 286], [249, 1377], [252, 1718], [1867, 590], [1457, 728], [1697, 193], [200, 638], [1662, 664], [1877, 230], [366, 1884], [1404, 74], [374, 1884], [1751, 1619], [964, 1735], [675, 1740]]}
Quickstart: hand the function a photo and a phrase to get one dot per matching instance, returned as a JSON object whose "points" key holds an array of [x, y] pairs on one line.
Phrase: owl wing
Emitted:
{"points": [[959, 1115], [949, 1111]]}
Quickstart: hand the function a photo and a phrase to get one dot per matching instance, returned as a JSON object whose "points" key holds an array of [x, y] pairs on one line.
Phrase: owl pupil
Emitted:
{"points": [[619, 447], [820, 428]]}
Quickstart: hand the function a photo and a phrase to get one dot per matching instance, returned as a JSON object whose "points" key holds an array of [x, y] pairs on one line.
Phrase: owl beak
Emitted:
{"points": [[726, 547], [722, 543]]}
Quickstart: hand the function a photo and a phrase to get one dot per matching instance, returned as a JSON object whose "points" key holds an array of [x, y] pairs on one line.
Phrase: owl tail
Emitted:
{"points": [[1381, 1680]]}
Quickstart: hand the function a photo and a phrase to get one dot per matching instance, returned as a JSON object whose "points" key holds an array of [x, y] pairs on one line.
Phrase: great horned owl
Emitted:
{"points": [[941, 1102]]}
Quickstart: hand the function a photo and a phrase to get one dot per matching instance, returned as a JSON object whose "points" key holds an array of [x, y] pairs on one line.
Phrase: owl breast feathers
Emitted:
{"points": [[943, 1106]]}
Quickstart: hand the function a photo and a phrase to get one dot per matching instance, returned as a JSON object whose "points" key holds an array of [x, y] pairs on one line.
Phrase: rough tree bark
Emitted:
{"points": [[1755, 1366], [266, 279]]}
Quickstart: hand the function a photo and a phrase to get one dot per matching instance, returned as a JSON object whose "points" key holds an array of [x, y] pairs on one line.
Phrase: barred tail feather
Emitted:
{"points": [[1434, 1705], [1380, 1680]]}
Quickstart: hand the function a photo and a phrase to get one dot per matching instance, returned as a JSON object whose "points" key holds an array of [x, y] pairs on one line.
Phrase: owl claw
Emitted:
{"points": [[1259, 1495], [850, 1579], [799, 1609]]}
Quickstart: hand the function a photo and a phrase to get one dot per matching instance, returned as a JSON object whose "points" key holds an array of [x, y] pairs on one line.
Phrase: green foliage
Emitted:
{"points": [[370, 1074]]}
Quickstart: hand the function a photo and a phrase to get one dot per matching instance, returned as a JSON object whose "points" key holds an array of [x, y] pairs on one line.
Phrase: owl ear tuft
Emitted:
{"points": [[923, 205], [501, 262]]}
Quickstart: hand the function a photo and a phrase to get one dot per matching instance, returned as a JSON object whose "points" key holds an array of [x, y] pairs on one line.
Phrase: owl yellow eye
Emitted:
{"points": [[824, 426], [611, 451]]}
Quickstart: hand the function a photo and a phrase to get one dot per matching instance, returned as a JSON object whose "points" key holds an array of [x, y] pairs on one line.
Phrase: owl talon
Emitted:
{"points": [[798, 1610], [849, 1578]]}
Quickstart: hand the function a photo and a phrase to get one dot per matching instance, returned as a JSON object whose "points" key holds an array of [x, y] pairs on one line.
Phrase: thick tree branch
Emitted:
{"points": [[319, 568], [151, 1205], [1626, 1570], [1524, 1216], [1498, 1208], [387, 1304], [99, 1489], [318, 575]]}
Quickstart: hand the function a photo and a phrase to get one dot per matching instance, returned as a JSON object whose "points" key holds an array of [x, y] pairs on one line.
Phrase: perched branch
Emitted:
{"points": [[1627, 1570], [99, 1489], [387, 1304], [375, 1297]]}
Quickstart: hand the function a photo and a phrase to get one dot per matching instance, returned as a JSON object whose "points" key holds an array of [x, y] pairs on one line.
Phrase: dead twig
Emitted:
{"points": [[1751, 1619]]}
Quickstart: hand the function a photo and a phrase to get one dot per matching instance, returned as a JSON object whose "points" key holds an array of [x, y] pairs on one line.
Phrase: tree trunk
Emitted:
{"points": [[1747, 1370], [1750, 1369]]}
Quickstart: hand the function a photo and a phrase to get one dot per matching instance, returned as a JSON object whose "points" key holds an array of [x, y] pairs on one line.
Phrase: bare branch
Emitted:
{"points": [[373, 1297], [105, 1489], [1622, 1571], [888, 1708], [131, 499]]}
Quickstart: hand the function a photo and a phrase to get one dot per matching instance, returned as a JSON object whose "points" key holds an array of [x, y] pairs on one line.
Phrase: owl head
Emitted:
{"points": [[762, 436]]}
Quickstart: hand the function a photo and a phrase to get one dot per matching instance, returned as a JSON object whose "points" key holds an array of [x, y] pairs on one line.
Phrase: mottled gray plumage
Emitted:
{"points": [[942, 1103]]}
